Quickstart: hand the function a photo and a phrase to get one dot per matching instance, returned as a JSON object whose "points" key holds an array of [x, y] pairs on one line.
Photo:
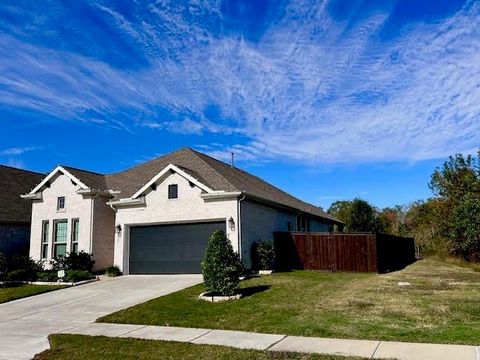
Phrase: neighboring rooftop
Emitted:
{"points": [[13, 183], [216, 174]]}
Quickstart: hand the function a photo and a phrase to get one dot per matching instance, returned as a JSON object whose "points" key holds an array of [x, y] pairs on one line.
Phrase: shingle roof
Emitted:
{"points": [[91, 179], [13, 183], [216, 174]]}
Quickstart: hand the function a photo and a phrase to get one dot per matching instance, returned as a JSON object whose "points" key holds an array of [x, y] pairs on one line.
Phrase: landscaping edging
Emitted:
{"points": [[218, 298], [51, 283]]}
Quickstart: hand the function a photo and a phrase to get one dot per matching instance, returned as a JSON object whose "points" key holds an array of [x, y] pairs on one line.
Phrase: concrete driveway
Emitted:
{"points": [[26, 323]]}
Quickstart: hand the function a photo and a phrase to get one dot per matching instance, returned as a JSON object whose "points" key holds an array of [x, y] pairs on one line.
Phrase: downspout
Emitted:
{"points": [[239, 225], [91, 221]]}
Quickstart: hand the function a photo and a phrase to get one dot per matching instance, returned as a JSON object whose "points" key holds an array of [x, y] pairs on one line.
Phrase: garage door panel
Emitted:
{"points": [[175, 248]]}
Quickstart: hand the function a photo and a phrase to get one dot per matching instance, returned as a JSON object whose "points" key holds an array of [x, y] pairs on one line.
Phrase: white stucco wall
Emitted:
{"points": [[75, 207], [259, 221], [188, 207]]}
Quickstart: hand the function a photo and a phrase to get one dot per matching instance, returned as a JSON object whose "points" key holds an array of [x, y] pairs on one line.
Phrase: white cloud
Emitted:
{"points": [[17, 150], [312, 89]]}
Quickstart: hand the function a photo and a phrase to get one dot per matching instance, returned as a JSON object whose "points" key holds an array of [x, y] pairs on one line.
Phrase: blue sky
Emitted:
{"points": [[328, 100]]}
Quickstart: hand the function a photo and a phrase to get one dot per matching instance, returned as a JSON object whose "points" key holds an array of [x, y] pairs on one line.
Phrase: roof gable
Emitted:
{"points": [[166, 171], [57, 170]]}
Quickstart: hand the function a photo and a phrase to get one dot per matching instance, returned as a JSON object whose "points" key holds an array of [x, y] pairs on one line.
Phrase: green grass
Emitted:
{"points": [[72, 347], [442, 305], [18, 291]]}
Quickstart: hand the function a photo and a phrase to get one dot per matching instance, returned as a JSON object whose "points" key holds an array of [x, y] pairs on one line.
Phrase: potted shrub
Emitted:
{"points": [[263, 256], [221, 269]]}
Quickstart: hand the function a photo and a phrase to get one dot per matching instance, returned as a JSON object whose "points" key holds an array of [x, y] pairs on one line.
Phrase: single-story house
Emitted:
{"points": [[15, 213], [156, 217]]}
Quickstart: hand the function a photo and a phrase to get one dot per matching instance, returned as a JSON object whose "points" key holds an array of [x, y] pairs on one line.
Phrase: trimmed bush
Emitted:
{"points": [[77, 275], [20, 275], [48, 276], [113, 271], [3, 265], [263, 255], [73, 261], [22, 268], [221, 266]]}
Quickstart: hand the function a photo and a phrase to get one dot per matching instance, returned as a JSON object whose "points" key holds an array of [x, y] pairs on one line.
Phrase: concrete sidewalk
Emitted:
{"points": [[246, 340]]}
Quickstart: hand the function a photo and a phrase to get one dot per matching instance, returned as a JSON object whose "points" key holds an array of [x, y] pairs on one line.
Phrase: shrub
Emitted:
{"points": [[23, 268], [263, 255], [3, 265], [221, 267], [113, 271], [20, 275], [73, 261], [49, 276], [77, 275]]}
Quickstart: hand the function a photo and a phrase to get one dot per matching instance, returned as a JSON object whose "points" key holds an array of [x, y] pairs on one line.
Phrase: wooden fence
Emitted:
{"points": [[362, 252]]}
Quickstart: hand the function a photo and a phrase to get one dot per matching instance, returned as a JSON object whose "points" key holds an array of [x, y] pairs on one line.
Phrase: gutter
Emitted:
{"points": [[293, 209], [36, 196], [220, 195], [127, 202]]}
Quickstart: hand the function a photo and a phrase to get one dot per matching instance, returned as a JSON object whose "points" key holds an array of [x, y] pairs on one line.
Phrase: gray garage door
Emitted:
{"points": [[170, 249]]}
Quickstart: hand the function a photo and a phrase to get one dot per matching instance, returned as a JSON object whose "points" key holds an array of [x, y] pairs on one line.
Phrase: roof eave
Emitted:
{"points": [[291, 208]]}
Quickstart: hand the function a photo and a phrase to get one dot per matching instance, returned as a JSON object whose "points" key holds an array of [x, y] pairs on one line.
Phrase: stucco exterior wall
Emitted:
{"points": [[318, 226], [75, 207], [188, 207], [259, 221], [103, 233]]}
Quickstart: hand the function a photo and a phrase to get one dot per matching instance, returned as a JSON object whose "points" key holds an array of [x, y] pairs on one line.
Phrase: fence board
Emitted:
{"points": [[362, 252]]}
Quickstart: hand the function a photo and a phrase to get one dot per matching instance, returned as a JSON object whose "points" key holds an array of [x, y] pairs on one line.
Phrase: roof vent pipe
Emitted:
{"points": [[232, 163]]}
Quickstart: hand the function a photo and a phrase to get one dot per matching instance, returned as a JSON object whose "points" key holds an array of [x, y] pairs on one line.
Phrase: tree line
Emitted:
{"points": [[448, 223]]}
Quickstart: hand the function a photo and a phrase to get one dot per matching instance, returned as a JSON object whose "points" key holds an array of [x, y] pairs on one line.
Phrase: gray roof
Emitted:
{"points": [[216, 174], [13, 183]]}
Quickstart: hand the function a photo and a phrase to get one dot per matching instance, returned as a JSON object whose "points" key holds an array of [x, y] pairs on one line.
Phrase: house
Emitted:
{"points": [[15, 213], [156, 217]]}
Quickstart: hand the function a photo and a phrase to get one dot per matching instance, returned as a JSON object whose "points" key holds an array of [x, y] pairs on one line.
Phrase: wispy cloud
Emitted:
{"points": [[311, 88], [17, 150]]}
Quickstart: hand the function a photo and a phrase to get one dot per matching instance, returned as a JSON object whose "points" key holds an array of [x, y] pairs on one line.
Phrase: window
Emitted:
{"points": [[45, 231], [59, 238], [75, 223], [173, 191], [61, 203], [303, 223]]}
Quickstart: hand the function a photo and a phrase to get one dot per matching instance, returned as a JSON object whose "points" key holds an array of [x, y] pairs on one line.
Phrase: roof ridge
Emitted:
{"points": [[78, 169], [197, 154], [25, 170]]}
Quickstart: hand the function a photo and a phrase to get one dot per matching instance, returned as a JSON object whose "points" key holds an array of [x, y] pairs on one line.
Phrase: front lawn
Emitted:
{"points": [[442, 305], [72, 347], [12, 292]]}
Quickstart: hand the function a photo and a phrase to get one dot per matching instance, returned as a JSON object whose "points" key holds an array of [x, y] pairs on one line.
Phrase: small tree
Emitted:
{"points": [[221, 267], [263, 255]]}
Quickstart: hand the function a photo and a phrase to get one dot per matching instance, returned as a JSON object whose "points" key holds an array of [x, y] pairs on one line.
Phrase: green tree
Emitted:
{"points": [[358, 215], [465, 229], [341, 210], [457, 184], [221, 266], [362, 216]]}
